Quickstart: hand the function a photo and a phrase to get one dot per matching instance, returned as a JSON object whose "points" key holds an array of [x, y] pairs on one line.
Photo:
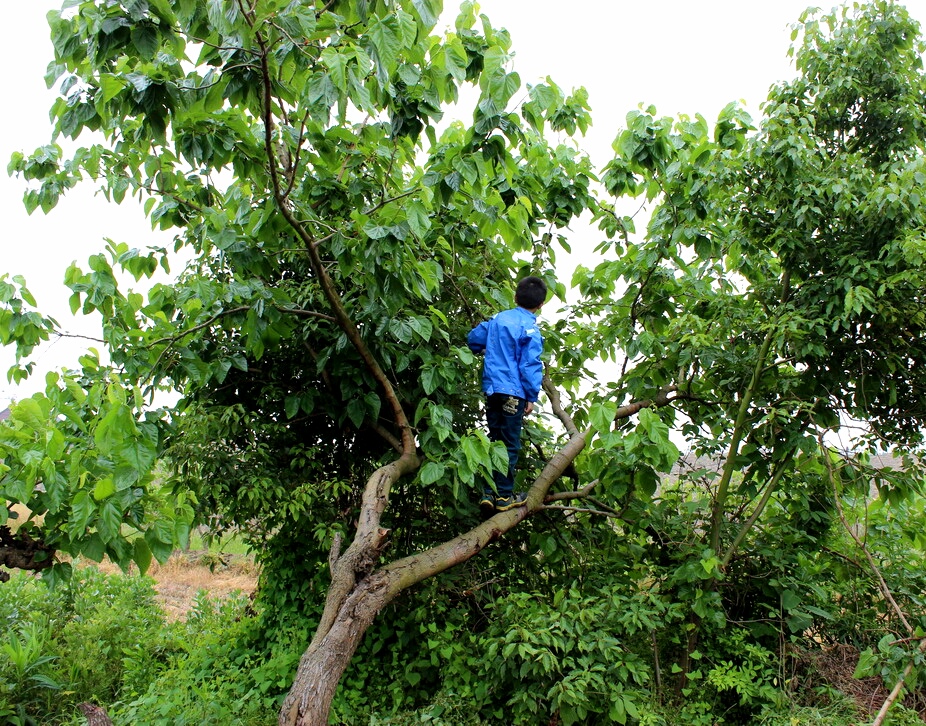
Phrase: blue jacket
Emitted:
{"points": [[512, 345]]}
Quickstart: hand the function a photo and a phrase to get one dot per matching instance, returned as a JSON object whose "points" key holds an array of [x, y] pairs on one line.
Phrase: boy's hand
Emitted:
{"points": [[529, 406]]}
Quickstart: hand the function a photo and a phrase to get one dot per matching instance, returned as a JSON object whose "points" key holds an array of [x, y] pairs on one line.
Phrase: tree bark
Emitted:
{"points": [[20, 551]]}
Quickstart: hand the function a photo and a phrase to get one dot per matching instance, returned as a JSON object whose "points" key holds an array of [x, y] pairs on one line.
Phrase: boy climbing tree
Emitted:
{"points": [[512, 374]]}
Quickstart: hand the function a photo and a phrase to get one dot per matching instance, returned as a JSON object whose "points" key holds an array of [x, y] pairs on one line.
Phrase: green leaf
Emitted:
{"points": [[474, 453], [146, 41], [141, 554], [103, 489], [82, 508], [789, 600], [418, 220], [356, 412], [601, 415], [291, 405], [109, 523], [54, 444], [428, 11], [431, 472], [28, 412], [93, 548], [430, 380]]}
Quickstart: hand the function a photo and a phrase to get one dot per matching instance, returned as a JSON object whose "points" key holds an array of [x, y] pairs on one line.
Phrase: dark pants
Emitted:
{"points": [[504, 415]]}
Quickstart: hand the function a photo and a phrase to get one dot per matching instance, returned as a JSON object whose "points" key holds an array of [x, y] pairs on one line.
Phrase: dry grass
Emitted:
{"points": [[184, 575], [179, 580], [836, 665]]}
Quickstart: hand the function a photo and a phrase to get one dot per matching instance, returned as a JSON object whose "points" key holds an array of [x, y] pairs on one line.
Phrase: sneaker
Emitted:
{"points": [[487, 504], [503, 504]]}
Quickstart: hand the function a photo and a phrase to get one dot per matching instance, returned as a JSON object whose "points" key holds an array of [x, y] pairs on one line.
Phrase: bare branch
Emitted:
{"points": [[305, 313], [557, 405], [182, 334], [561, 508], [898, 687], [78, 337], [179, 336], [384, 202], [581, 494]]}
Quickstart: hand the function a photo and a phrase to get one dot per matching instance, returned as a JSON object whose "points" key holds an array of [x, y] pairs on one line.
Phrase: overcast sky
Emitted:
{"points": [[681, 56]]}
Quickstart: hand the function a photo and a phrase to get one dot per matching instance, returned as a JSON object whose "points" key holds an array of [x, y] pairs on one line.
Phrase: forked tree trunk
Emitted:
{"points": [[357, 595], [309, 700], [348, 614], [323, 664]]}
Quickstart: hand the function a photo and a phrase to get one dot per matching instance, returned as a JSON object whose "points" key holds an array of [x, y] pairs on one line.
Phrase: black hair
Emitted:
{"points": [[531, 293]]}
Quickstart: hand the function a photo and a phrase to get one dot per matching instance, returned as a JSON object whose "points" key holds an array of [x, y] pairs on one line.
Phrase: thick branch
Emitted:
{"points": [[557, 406], [19, 551], [361, 556], [739, 425]]}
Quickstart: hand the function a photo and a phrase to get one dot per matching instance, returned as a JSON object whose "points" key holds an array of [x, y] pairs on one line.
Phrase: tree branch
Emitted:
{"points": [[305, 313], [898, 687], [170, 340], [19, 551], [561, 508], [557, 406], [581, 494], [334, 299]]}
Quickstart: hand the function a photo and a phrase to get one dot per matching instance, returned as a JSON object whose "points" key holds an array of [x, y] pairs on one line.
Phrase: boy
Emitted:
{"points": [[511, 378]]}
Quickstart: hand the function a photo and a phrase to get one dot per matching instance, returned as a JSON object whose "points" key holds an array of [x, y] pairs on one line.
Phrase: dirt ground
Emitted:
{"points": [[185, 574], [181, 578]]}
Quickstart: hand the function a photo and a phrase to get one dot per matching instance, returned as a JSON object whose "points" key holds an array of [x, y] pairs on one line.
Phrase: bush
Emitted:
{"points": [[70, 644], [219, 674]]}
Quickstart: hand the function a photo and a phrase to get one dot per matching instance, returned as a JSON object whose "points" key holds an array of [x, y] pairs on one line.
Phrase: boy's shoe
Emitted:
{"points": [[503, 504], [487, 504]]}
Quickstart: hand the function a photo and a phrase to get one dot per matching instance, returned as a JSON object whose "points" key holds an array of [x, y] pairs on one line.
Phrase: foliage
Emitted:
{"points": [[337, 236], [190, 689], [102, 639]]}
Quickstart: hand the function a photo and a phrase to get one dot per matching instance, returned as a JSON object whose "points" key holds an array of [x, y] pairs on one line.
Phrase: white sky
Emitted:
{"points": [[681, 56]]}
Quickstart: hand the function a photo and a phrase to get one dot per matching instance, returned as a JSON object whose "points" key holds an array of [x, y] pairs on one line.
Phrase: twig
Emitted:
{"points": [[200, 326], [79, 337], [898, 687], [474, 588], [305, 313], [173, 339], [581, 494], [561, 508]]}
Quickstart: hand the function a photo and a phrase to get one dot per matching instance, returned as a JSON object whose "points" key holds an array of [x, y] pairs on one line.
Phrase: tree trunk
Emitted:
{"points": [[353, 603], [357, 595], [309, 700]]}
